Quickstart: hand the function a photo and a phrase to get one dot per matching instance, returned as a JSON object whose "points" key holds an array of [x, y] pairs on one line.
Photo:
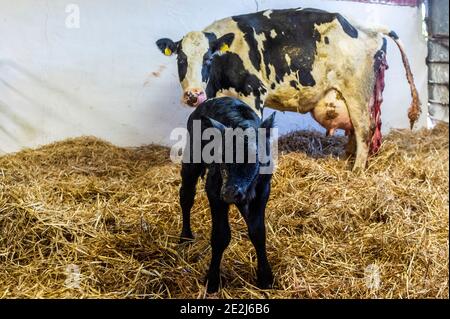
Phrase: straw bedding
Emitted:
{"points": [[85, 219]]}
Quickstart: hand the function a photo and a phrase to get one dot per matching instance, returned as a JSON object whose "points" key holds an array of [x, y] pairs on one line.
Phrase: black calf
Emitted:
{"points": [[236, 183]]}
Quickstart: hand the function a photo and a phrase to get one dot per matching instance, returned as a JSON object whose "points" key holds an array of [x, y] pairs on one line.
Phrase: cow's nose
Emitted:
{"points": [[190, 98], [194, 97], [233, 194]]}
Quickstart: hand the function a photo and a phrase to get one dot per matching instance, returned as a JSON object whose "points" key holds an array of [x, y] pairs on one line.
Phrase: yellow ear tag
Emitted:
{"points": [[167, 52], [224, 48]]}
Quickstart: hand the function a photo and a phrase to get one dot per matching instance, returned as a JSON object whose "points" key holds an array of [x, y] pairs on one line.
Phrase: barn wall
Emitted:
{"points": [[107, 78], [411, 3], [438, 64]]}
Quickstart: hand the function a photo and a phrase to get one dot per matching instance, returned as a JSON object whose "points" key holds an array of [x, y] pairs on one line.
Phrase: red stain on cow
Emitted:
{"points": [[375, 109]]}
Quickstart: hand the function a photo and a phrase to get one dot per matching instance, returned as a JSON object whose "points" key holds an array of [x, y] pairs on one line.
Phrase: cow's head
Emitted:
{"points": [[195, 53]]}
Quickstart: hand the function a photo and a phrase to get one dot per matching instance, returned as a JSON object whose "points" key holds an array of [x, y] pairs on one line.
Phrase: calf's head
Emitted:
{"points": [[240, 171], [195, 53]]}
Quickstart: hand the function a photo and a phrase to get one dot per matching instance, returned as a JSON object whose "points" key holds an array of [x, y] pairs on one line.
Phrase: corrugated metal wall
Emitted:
{"points": [[438, 66], [411, 3]]}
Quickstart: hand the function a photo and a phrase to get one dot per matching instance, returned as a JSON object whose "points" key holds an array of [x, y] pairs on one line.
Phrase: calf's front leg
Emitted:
{"points": [[255, 219], [220, 239]]}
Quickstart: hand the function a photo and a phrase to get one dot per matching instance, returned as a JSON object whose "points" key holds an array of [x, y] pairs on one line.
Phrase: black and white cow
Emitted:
{"points": [[303, 60]]}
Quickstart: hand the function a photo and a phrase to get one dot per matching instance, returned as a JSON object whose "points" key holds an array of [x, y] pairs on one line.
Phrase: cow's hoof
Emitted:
{"points": [[358, 170]]}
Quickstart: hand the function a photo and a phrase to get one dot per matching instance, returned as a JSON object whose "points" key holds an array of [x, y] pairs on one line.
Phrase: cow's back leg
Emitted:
{"points": [[357, 103], [189, 176]]}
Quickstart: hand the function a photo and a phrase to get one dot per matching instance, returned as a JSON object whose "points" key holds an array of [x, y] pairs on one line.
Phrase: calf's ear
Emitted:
{"points": [[214, 123], [268, 122], [222, 44], [167, 46]]}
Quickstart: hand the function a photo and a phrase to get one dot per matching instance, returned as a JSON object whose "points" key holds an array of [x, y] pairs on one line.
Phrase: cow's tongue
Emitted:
{"points": [[201, 99]]}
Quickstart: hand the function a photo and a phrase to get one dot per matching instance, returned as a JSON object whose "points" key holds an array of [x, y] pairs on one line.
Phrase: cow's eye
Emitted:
{"points": [[207, 58]]}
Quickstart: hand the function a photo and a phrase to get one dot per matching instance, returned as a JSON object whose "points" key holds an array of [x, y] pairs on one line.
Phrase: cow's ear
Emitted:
{"points": [[167, 46], [222, 44]]}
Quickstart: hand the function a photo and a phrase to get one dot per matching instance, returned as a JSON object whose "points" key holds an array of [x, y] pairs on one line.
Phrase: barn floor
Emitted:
{"points": [[85, 219]]}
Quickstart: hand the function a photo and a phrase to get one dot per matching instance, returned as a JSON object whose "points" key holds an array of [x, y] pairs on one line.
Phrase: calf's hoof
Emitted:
{"points": [[186, 238], [212, 284], [265, 280]]}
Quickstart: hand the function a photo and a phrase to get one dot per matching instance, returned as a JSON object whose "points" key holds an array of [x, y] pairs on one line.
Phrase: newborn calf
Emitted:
{"points": [[233, 177]]}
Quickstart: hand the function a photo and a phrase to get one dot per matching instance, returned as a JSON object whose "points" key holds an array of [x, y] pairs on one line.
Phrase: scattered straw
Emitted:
{"points": [[83, 218]]}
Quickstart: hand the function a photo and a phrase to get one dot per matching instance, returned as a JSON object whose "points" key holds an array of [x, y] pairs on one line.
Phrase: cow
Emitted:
{"points": [[229, 181], [301, 60]]}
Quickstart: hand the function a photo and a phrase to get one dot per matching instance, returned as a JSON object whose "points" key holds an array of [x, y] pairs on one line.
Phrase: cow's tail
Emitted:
{"points": [[414, 110]]}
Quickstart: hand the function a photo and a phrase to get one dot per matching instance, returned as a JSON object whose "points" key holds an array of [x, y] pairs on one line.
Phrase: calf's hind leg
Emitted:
{"points": [[189, 177]]}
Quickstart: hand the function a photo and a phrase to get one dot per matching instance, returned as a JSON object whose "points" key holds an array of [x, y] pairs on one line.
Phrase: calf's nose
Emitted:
{"points": [[234, 194]]}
